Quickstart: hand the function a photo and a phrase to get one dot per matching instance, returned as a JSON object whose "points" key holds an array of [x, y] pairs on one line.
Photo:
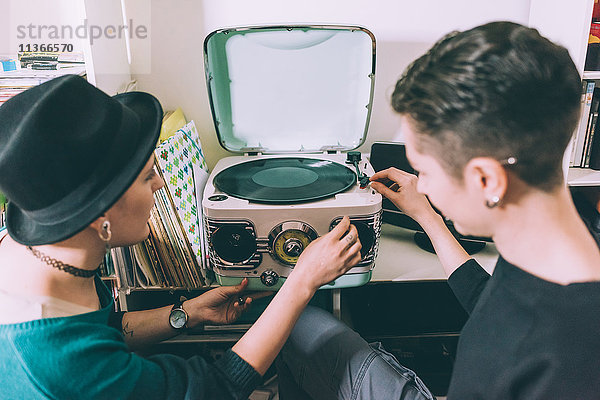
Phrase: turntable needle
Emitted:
{"points": [[363, 179], [354, 157]]}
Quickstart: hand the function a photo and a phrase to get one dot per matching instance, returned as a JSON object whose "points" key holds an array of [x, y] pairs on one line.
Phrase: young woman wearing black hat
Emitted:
{"points": [[77, 168], [487, 115]]}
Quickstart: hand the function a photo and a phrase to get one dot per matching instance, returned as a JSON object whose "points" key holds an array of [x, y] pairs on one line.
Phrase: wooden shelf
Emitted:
{"points": [[583, 177], [168, 288], [213, 337], [591, 74]]}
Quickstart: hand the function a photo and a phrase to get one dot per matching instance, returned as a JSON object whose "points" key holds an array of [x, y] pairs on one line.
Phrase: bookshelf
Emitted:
{"points": [[582, 175], [568, 23]]}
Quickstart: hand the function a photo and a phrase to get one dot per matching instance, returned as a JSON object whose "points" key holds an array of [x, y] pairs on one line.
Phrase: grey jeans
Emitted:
{"points": [[325, 359]]}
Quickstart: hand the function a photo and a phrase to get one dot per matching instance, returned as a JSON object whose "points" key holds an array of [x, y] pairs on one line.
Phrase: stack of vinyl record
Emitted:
{"points": [[171, 257], [166, 258]]}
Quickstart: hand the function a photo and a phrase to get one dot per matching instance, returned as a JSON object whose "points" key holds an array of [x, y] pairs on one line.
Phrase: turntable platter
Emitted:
{"points": [[285, 180]]}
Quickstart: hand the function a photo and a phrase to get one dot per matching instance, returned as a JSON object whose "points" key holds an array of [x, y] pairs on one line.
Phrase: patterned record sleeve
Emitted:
{"points": [[185, 172]]}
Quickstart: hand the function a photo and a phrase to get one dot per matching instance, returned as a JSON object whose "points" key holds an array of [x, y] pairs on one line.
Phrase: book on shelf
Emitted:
{"points": [[589, 139], [579, 137], [594, 156], [589, 133], [592, 58]]}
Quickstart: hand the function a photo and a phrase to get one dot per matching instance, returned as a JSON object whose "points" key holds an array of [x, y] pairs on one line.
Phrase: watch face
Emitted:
{"points": [[178, 319]]}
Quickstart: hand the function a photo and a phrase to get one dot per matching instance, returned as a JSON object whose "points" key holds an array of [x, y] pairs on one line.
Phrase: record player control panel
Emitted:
{"points": [[236, 245]]}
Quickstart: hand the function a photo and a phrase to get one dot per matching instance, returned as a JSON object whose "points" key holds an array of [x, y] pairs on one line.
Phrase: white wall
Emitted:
{"points": [[106, 59], [176, 74], [404, 29], [37, 12], [565, 22]]}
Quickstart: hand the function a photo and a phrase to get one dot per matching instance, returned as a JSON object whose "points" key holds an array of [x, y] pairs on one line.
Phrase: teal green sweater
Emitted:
{"points": [[82, 357]]}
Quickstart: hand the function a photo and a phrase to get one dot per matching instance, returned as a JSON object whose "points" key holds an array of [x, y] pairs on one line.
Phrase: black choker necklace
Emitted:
{"points": [[84, 273]]}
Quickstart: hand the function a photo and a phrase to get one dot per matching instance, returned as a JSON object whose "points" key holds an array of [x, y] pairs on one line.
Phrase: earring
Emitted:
{"points": [[495, 200], [105, 234]]}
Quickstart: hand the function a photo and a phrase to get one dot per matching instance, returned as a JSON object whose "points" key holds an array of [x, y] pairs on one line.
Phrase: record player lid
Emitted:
{"points": [[285, 89]]}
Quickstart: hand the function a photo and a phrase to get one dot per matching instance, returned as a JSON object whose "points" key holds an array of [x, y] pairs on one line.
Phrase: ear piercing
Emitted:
{"points": [[493, 202], [106, 233]]}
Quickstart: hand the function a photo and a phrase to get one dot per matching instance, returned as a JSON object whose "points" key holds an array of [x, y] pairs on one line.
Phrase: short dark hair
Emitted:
{"points": [[499, 90]]}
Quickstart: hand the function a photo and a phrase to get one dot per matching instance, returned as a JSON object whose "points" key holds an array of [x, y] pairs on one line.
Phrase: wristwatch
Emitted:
{"points": [[178, 318]]}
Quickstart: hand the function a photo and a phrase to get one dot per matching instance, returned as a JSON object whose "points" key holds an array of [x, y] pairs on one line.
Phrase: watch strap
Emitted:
{"points": [[178, 304]]}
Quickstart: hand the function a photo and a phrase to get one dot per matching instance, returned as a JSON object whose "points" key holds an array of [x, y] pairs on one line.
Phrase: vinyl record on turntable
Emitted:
{"points": [[285, 180]]}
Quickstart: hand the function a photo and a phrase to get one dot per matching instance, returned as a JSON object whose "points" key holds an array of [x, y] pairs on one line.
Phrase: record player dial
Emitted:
{"points": [[289, 239], [293, 247], [288, 246], [269, 277]]}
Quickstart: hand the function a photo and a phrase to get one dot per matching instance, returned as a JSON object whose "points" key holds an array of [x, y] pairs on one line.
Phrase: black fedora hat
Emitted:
{"points": [[68, 151]]}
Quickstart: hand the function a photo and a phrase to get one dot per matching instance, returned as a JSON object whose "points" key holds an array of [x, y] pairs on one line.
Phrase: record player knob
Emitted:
{"points": [[269, 277], [293, 247]]}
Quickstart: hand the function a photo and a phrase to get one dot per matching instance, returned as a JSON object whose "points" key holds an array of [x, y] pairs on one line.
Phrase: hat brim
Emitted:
{"points": [[30, 232]]}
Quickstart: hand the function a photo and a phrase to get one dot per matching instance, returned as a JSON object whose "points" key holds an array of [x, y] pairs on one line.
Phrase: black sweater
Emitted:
{"points": [[526, 338]]}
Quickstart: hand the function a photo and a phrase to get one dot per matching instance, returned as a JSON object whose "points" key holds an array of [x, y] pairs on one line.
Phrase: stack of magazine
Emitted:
{"points": [[36, 68], [172, 256]]}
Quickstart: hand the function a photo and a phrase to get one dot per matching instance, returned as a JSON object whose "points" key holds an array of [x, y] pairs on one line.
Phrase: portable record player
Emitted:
{"points": [[290, 100]]}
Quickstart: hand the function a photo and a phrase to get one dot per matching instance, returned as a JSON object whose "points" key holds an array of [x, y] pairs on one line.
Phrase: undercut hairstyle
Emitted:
{"points": [[499, 90]]}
